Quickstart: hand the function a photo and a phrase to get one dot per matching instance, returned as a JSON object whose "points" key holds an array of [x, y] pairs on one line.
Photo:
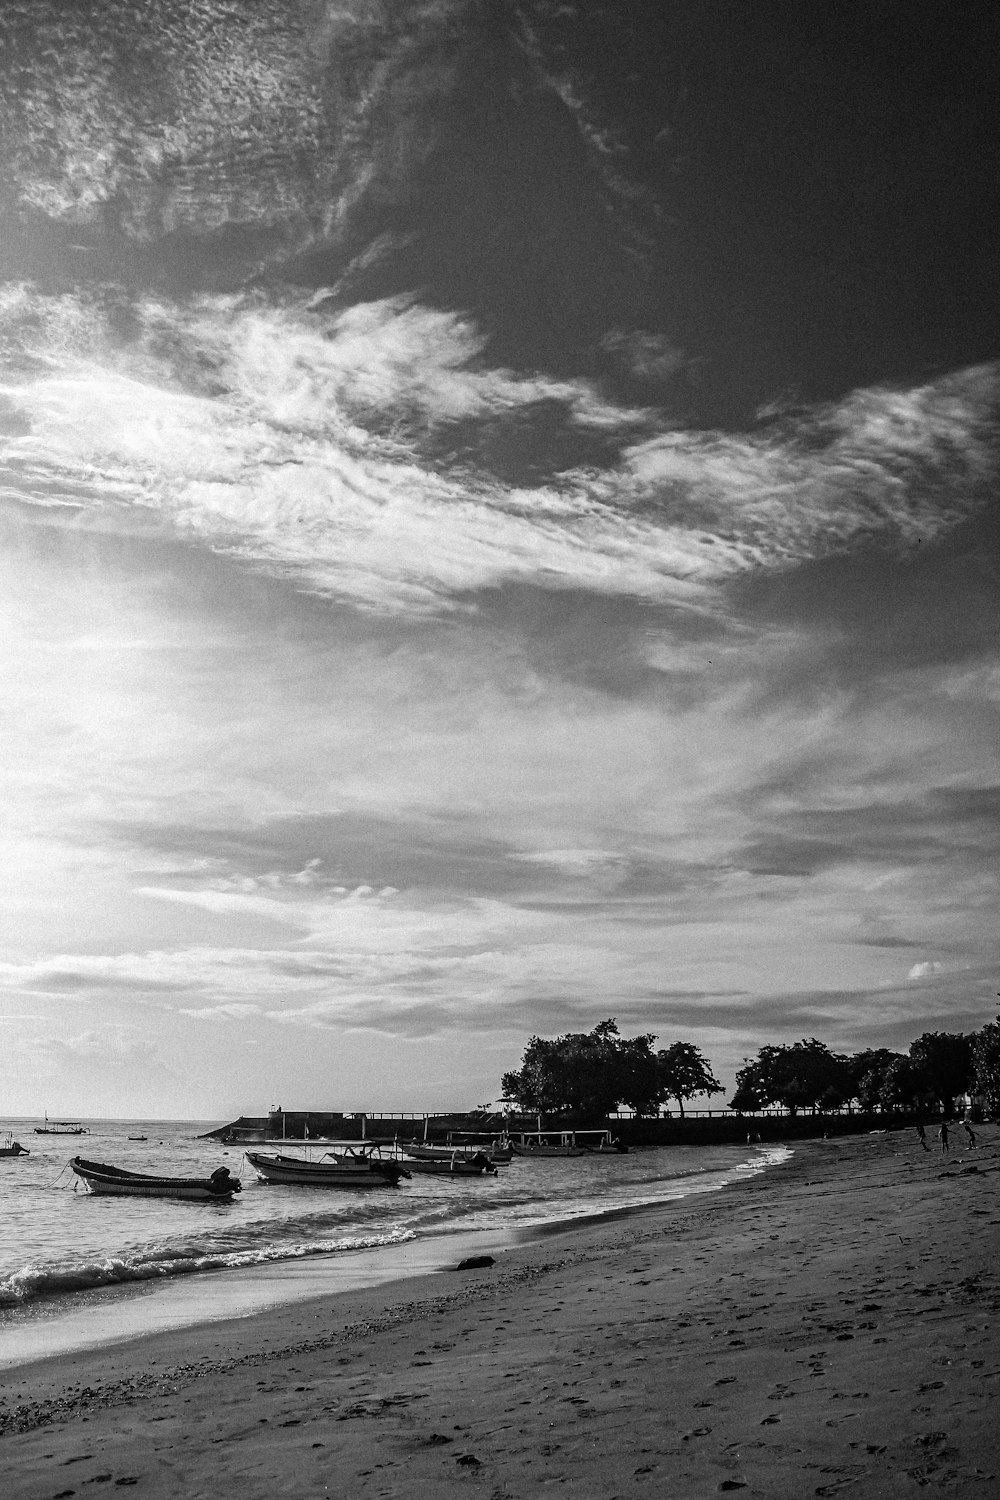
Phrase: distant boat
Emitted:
{"points": [[10, 1147], [117, 1182], [61, 1127], [138, 1137], [353, 1169]]}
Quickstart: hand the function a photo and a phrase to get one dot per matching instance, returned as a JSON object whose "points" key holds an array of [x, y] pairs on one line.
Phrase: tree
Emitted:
{"points": [[587, 1073], [682, 1073], [868, 1074], [593, 1073], [801, 1076], [944, 1060], [986, 1064], [902, 1085]]}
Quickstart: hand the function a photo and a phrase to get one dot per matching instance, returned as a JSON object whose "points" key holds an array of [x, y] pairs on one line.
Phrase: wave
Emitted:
{"points": [[34, 1281]]}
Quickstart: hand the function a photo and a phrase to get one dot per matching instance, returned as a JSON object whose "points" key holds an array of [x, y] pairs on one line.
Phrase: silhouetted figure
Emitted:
{"points": [[922, 1135], [943, 1133], [967, 1127]]}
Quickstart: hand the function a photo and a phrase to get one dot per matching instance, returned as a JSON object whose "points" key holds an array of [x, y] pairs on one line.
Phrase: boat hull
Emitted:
{"points": [[287, 1171]]}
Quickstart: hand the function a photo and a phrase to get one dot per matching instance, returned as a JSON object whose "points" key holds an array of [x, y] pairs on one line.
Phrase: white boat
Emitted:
{"points": [[351, 1169], [118, 1182]]}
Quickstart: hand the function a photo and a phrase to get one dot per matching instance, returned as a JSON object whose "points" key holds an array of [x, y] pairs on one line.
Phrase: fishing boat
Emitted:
{"points": [[350, 1169], [496, 1154], [535, 1143], [10, 1147], [454, 1164], [61, 1127], [118, 1182]]}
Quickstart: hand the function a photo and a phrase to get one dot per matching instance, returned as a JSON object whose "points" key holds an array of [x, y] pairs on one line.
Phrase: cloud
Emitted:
{"points": [[310, 445], [234, 1010], [925, 969]]}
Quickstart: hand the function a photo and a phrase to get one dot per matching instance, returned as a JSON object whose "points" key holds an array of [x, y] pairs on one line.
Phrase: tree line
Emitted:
{"points": [[594, 1073]]}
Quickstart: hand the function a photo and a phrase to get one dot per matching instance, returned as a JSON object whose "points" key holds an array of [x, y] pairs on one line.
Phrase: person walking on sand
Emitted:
{"points": [[967, 1127], [943, 1133], [922, 1135]]}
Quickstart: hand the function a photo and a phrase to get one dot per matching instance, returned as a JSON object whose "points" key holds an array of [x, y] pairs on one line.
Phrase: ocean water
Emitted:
{"points": [[60, 1240]]}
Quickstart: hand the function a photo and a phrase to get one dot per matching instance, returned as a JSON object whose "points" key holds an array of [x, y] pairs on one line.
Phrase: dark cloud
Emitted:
{"points": [[940, 825]]}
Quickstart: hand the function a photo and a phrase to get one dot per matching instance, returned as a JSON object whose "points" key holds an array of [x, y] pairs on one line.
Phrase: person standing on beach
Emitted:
{"points": [[943, 1133], [967, 1127], [922, 1135]]}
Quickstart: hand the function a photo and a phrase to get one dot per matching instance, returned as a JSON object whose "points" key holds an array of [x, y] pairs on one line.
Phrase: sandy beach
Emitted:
{"points": [[829, 1326]]}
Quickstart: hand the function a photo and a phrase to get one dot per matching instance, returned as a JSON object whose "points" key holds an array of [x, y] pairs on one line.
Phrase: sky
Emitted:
{"points": [[498, 529]]}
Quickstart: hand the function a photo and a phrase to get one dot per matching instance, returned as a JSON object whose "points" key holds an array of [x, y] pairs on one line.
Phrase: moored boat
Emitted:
{"points": [[419, 1151], [534, 1143], [10, 1147], [118, 1182], [455, 1164], [351, 1169]]}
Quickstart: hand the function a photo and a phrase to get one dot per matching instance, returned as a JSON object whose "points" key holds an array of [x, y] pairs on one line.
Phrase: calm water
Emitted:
{"points": [[58, 1239]]}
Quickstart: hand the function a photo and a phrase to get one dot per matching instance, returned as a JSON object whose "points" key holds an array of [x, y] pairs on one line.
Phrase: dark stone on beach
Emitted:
{"points": [[436, 1438], [475, 1263]]}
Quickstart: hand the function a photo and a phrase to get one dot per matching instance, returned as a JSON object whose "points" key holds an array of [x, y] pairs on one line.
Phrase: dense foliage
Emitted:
{"points": [[595, 1072], [803, 1076]]}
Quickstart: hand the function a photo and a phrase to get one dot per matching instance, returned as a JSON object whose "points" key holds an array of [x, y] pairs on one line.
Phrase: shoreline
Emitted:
{"points": [[120, 1312], [825, 1325]]}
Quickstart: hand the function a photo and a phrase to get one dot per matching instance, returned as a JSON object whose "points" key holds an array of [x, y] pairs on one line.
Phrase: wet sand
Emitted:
{"points": [[829, 1326]]}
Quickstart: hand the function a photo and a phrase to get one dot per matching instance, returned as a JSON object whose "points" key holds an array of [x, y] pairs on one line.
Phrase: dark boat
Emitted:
{"points": [[61, 1127], [454, 1164], [10, 1147], [352, 1169], [118, 1182]]}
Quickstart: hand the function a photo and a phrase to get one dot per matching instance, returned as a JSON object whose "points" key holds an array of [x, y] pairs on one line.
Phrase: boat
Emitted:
{"points": [[534, 1143], [61, 1127], [454, 1163], [350, 1169], [496, 1155], [118, 1182], [138, 1138], [10, 1147]]}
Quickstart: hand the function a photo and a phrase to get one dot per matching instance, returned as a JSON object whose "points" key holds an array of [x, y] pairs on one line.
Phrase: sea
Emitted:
{"points": [[62, 1246]]}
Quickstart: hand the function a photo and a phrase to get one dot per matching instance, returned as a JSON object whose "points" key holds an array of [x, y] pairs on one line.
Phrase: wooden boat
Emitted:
{"points": [[118, 1182], [533, 1143], [10, 1147], [138, 1138], [352, 1169], [61, 1127], [455, 1164], [496, 1156]]}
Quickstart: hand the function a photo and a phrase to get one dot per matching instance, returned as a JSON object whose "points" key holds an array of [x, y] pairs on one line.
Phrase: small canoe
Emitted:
{"points": [[352, 1170], [118, 1182], [10, 1147]]}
